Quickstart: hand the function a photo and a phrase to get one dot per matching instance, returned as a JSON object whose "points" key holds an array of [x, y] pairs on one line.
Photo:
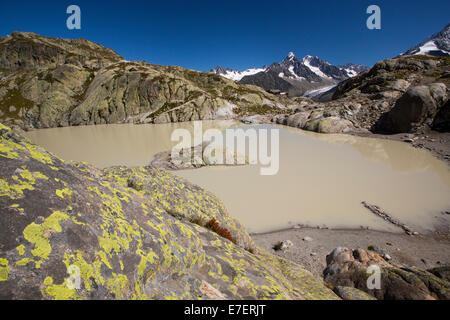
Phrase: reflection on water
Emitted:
{"points": [[322, 178]]}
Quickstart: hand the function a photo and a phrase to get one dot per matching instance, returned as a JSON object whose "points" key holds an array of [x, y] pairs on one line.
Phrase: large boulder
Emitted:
{"points": [[412, 110], [71, 231], [349, 268], [441, 121]]}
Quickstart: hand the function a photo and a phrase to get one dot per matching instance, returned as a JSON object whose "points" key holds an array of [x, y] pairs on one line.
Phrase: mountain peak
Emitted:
{"points": [[291, 55], [293, 74], [437, 44]]}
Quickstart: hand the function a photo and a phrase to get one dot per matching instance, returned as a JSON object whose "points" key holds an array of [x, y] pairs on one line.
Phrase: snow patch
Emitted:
{"points": [[238, 75], [429, 46], [307, 63], [351, 73], [313, 93], [294, 75]]}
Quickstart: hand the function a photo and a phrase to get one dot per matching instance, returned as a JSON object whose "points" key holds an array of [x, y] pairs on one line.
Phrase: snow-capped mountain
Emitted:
{"points": [[353, 70], [437, 45], [236, 75], [294, 76]]}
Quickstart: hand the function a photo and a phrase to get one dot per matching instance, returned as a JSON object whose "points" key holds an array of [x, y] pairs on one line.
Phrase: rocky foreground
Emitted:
{"points": [[412, 267], [138, 233], [143, 233]]}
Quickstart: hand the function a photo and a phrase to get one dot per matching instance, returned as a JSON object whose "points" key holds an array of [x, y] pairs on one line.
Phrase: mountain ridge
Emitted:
{"points": [[50, 82], [296, 77], [437, 44]]}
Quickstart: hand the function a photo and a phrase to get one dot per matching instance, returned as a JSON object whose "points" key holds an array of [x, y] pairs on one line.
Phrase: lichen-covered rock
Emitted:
{"points": [[350, 293], [71, 231]]}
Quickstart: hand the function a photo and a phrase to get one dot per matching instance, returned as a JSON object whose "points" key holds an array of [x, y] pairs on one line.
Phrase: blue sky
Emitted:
{"points": [[201, 34]]}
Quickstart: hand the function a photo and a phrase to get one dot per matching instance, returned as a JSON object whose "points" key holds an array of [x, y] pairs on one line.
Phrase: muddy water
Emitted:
{"points": [[114, 144], [322, 179]]}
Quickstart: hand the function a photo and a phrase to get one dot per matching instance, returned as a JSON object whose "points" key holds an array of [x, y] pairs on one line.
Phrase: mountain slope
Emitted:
{"points": [[48, 82], [437, 45]]}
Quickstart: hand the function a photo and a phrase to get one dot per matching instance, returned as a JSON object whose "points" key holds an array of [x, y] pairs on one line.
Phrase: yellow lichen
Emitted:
{"points": [[21, 250], [118, 285], [24, 261], [38, 234], [4, 269], [61, 192]]}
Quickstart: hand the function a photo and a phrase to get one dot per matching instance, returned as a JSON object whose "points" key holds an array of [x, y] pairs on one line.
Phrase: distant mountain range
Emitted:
{"points": [[314, 77], [437, 45], [294, 77]]}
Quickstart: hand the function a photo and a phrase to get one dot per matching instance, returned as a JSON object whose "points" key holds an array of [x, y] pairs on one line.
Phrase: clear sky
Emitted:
{"points": [[201, 34]]}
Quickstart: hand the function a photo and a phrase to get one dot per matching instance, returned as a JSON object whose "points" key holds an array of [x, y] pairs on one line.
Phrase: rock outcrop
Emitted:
{"points": [[48, 82], [348, 268], [71, 231]]}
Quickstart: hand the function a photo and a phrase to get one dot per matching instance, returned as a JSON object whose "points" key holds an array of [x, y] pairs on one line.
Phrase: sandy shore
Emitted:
{"points": [[423, 251]]}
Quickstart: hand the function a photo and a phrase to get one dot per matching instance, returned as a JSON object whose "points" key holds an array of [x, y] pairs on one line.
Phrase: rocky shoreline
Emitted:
{"points": [[310, 247]]}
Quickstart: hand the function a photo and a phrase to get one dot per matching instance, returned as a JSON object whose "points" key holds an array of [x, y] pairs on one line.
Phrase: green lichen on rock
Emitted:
{"points": [[120, 241]]}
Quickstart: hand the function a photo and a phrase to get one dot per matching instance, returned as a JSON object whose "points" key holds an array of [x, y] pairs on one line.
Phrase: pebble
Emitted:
{"points": [[387, 257], [313, 254], [308, 239]]}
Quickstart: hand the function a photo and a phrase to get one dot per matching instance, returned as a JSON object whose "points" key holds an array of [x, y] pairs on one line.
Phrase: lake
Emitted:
{"points": [[322, 179]]}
